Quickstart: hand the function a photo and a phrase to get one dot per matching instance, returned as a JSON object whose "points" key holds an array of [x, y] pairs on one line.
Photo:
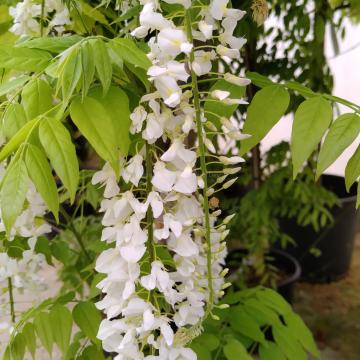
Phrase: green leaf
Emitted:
{"points": [[54, 44], [43, 247], [352, 170], [56, 141], [300, 331], [301, 89], [18, 139], [214, 109], [201, 351], [36, 98], [29, 334], [43, 329], [61, 323], [116, 104], [275, 99], [18, 347], [23, 59], [342, 133], [209, 341], [258, 80], [235, 350], [246, 325], [13, 193], [91, 353], [287, 343], [261, 313], [13, 120], [102, 63], [40, 173], [93, 13], [92, 119], [13, 84], [69, 72], [88, 67], [88, 318], [312, 119], [271, 352], [273, 300], [130, 53]]}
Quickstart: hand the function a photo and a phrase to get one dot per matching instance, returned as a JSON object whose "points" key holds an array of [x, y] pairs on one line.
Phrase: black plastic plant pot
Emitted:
{"points": [[335, 242], [287, 266]]}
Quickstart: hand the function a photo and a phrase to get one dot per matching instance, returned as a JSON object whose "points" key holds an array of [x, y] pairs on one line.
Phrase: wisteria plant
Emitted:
{"points": [[139, 88]]}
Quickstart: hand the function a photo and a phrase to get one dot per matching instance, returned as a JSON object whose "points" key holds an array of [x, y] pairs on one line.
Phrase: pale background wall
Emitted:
{"points": [[346, 70]]}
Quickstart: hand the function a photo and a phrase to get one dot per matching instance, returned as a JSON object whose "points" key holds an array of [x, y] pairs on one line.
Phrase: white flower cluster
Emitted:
{"points": [[23, 272], [27, 16], [164, 269]]}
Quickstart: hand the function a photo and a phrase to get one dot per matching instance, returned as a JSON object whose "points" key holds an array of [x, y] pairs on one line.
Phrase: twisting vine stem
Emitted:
{"points": [[203, 167], [11, 300]]}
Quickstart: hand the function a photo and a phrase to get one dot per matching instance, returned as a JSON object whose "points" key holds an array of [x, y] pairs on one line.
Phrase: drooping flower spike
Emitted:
{"points": [[165, 271]]}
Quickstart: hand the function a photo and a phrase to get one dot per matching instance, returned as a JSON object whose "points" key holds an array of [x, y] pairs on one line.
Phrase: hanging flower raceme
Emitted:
{"points": [[164, 267]]}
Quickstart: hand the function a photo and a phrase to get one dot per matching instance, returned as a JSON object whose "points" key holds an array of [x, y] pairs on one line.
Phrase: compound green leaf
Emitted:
{"points": [[271, 352], [40, 173], [54, 44], [61, 323], [29, 334], [116, 104], [300, 331], [352, 170], [88, 318], [311, 120], [36, 98], [127, 50], [23, 59], [56, 141], [18, 139], [102, 63], [265, 110], [88, 67], [13, 84], [13, 120], [94, 122], [201, 351], [18, 347], [342, 133], [44, 332], [288, 344], [235, 350], [244, 324], [13, 193]]}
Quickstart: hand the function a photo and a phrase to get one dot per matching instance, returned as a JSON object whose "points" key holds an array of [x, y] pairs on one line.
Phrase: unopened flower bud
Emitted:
{"points": [[236, 80], [226, 285], [215, 317], [210, 192], [221, 179], [229, 183], [225, 234], [224, 272], [235, 102], [231, 160], [211, 126], [232, 171], [227, 123], [209, 145], [216, 213], [222, 228], [228, 218], [221, 293], [223, 306], [214, 203]]}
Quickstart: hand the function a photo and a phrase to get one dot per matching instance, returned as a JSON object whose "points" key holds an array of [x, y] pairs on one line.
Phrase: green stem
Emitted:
{"points": [[149, 215], [42, 18], [11, 300], [202, 152], [76, 233]]}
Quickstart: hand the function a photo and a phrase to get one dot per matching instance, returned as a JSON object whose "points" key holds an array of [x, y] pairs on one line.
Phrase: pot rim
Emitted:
{"points": [[294, 274]]}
